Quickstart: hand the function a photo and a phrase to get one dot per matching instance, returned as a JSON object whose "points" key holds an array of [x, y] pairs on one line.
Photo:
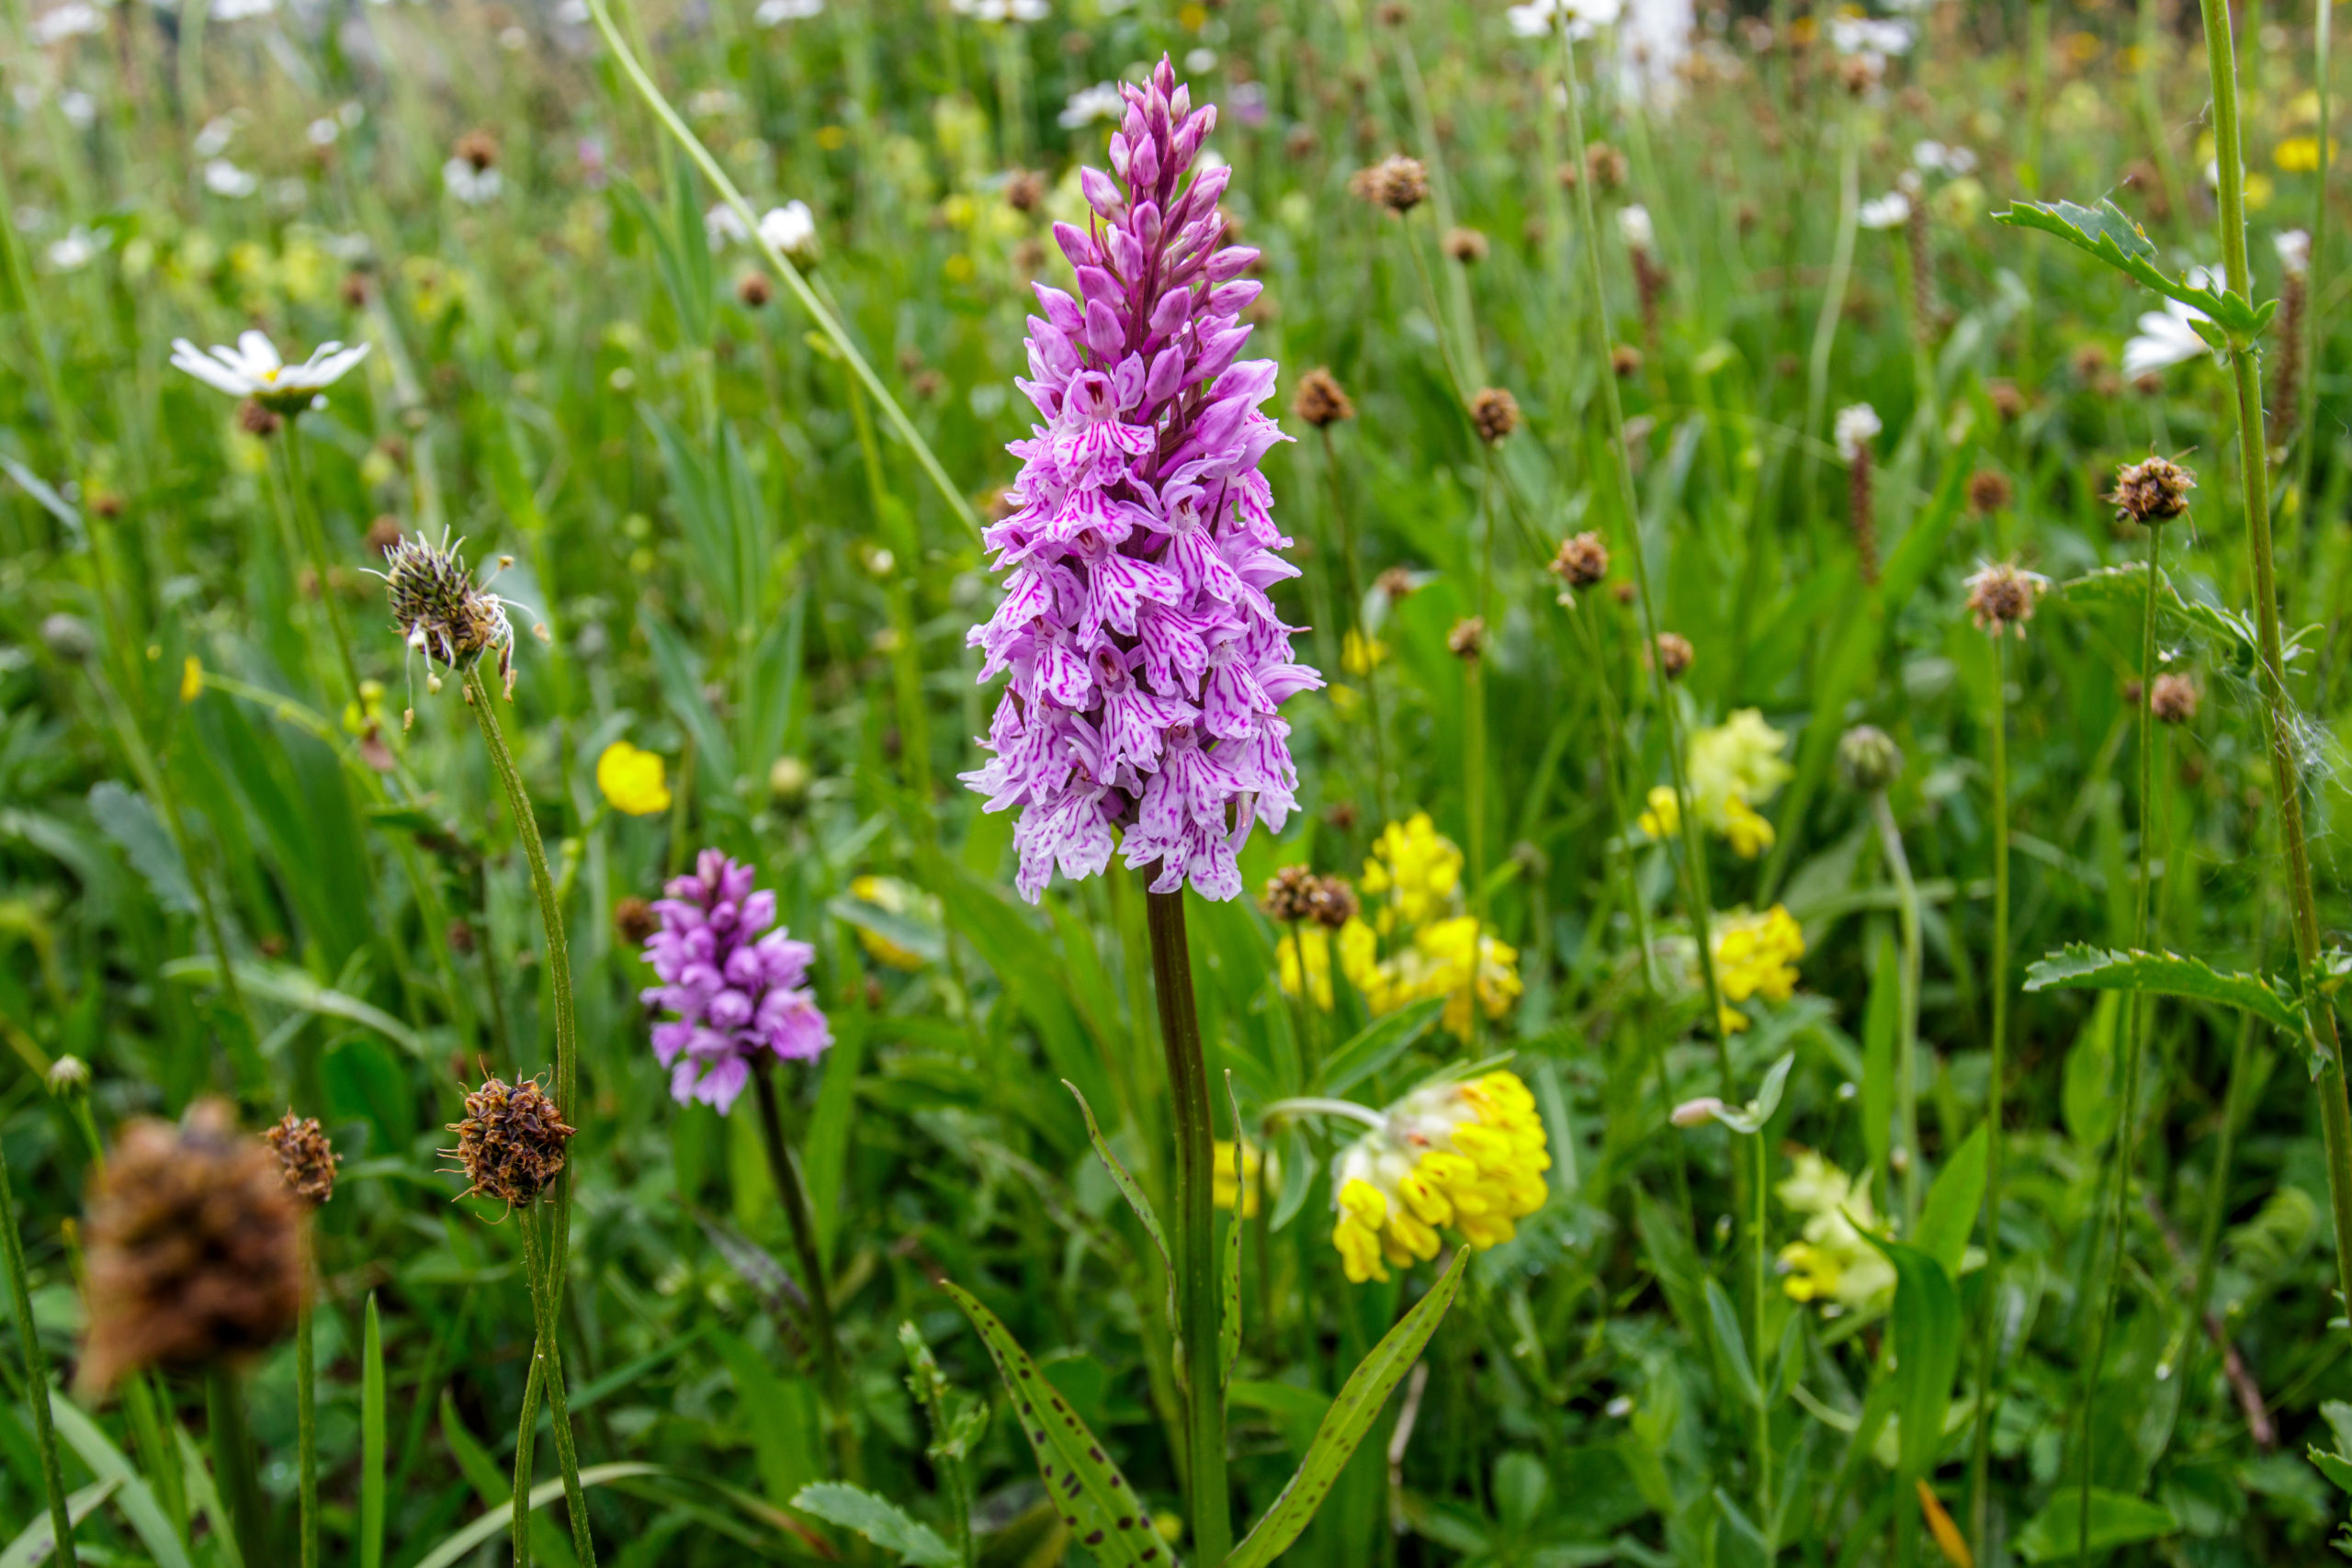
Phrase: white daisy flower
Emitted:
{"points": [[1858, 427], [1634, 227], [2294, 252], [1582, 19], [1889, 211], [80, 109], [1100, 102], [2166, 337], [324, 132], [223, 178], [791, 229], [1869, 35], [723, 228], [771, 12], [1001, 10], [73, 19], [472, 185], [214, 139], [76, 251], [1936, 157], [240, 10], [253, 369]]}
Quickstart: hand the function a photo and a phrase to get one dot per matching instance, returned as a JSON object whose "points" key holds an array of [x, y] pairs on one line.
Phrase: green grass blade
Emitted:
{"points": [[371, 1440]]}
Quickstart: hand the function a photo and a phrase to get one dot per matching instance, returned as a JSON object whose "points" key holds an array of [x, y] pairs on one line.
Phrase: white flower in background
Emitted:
{"points": [[723, 228], [791, 229], [253, 369], [214, 139], [2166, 337], [240, 10], [1582, 19], [1635, 228], [80, 109], [1101, 101], [77, 250], [1912, 7], [1858, 427], [472, 185], [1889, 211], [1001, 10], [771, 12], [1869, 35], [573, 13], [2294, 252], [223, 178], [73, 19], [1939, 159], [1200, 61], [324, 132]]}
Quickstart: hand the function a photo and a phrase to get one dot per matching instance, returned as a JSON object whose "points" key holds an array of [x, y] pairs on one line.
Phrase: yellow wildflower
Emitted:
{"points": [[191, 679], [1244, 1184], [1418, 869], [1749, 833], [2299, 155], [1755, 955], [1832, 1264], [1315, 943], [1738, 757], [632, 779], [1412, 886], [1664, 817], [1461, 962], [1469, 1156], [1360, 655], [891, 897]]}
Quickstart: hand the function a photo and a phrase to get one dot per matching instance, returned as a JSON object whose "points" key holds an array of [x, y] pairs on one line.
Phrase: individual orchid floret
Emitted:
{"points": [[1147, 664], [737, 991], [253, 369]]}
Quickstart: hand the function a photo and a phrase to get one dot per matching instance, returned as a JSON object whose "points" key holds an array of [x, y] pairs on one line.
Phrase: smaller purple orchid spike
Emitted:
{"points": [[735, 991], [1147, 661]]}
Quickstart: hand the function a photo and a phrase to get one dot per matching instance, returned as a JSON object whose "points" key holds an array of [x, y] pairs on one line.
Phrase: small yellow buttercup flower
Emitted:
{"points": [[632, 779], [1241, 1182], [1755, 955], [892, 897], [191, 679], [1468, 1156], [1413, 874], [1360, 655], [1664, 817]]}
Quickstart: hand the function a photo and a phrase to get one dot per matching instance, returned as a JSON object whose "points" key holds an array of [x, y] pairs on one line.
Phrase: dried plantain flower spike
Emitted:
{"points": [[2002, 596], [306, 1157], [442, 613], [1288, 894], [1495, 414], [2151, 492], [1582, 560], [511, 1144], [194, 1252], [1321, 402]]}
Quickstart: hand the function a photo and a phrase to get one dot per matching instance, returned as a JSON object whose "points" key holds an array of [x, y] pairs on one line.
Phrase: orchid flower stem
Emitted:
{"points": [[233, 1463], [2136, 1025], [52, 1476], [1198, 1302], [2286, 768], [1694, 864], [1907, 1038], [824, 1339], [1981, 1444]]}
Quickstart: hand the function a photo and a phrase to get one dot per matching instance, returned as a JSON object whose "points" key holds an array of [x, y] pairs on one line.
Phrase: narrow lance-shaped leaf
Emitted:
{"points": [[1083, 1483], [1350, 1416], [1953, 1202], [1138, 1199], [1229, 1291], [1380, 1043], [1927, 1350], [2082, 967], [1730, 1345]]}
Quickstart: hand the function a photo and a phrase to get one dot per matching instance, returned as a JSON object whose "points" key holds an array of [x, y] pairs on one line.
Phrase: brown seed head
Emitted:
{"points": [[1320, 399], [1289, 894], [441, 611], [2153, 492], [1606, 165], [255, 420], [511, 1144], [2007, 401], [2001, 597], [306, 1157], [2173, 700], [2088, 362], [1331, 903], [479, 149], [353, 289], [1398, 184], [1024, 190], [194, 1253], [1625, 360], [383, 534], [1467, 640], [1396, 582], [459, 935], [1465, 245], [1674, 654], [1495, 413], [1988, 491], [634, 921], [1583, 560], [1392, 14], [753, 289]]}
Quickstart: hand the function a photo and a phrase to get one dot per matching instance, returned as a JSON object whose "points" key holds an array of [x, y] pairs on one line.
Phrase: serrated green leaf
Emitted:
{"points": [[1092, 1498], [2126, 587], [2117, 1519], [2335, 1467], [2082, 967], [878, 1519], [1350, 1416], [2106, 232]]}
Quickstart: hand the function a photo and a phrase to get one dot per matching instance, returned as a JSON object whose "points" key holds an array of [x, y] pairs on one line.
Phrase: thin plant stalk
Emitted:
{"points": [[548, 1350], [1199, 1305], [1981, 1444], [305, 1407], [293, 485], [2314, 320], [2327, 1080], [52, 1476], [1694, 863], [784, 1165], [1757, 1248], [1350, 557], [2209, 1239], [1833, 297], [526, 1433], [826, 322], [1907, 1037], [2135, 1042], [233, 1463]]}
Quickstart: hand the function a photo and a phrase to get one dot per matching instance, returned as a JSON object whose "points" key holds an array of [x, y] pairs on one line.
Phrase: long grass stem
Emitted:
{"points": [[824, 1338], [233, 1470], [1995, 1112], [52, 1476]]}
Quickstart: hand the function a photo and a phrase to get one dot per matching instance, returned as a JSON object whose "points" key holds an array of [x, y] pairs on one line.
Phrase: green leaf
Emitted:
{"points": [[1880, 1027], [1730, 1345], [1228, 1334], [1927, 1349], [826, 1147], [2079, 967], [133, 1495], [2104, 232], [2335, 1467], [371, 1440], [1093, 1499], [294, 988], [1750, 1118], [879, 1520], [1352, 1415], [1296, 1413], [1123, 1179], [1953, 1202], [681, 681], [2126, 588], [132, 824], [1381, 1042], [2115, 1519], [36, 1542]]}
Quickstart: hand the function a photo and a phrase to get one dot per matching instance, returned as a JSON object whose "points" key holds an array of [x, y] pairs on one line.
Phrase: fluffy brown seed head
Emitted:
{"points": [[1467, 640], [753, 289], [1465, 245], [1606, 165], [479, 149], [1988, 491], [1495, 413], [306, 1157], [1396, 582], [253, 419], [2001, 597], [1582, 561], [1625, 360], [1321, 400], [1330, 902], [2007, 401], [2153, 492], [1674, 654], [1398, 184], [511, 1144], [634, 921], [2174, 699], [1289, 894], [440, 611], [194, 1252], [1024, 190]]}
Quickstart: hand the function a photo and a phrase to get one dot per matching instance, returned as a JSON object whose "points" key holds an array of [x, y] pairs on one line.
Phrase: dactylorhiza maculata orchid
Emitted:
{"points": [[253, 369], [1148, 665], [738, 991]]}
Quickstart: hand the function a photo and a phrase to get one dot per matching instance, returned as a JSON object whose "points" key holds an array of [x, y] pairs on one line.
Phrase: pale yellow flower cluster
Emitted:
{"points": [[1755, 955], [1832, 1264], [1733, 768], [1465, 1156]]}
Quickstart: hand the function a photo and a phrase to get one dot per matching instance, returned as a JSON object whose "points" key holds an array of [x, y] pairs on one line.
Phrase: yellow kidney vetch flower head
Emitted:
{"points": [[892, 897], [1755, 955], [1466, 1156], [1415, 873], [1238, 1178], [1834, 1264], [1305, 961], [632, 779], [1733, 768]]}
